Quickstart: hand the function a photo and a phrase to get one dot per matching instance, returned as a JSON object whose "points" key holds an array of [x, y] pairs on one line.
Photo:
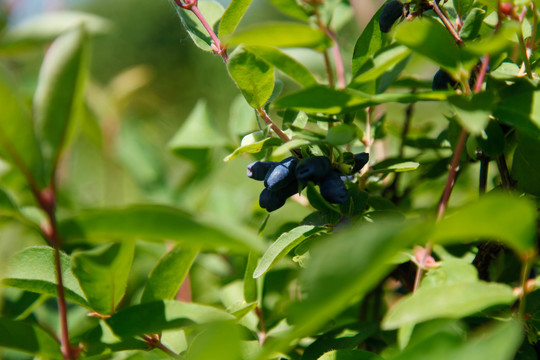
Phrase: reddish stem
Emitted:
{"points": [[220, 49], [262, 113]]}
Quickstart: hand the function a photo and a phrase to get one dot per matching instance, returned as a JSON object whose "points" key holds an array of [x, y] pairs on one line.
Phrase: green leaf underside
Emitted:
{"points": [[103, 274], [254, 148], [157, 223], [400, 167], [28, 338], [450, 301], [288, 65], [282, 35], [154, 317], [212, 12], [321, 99], [169, 273], [282, 246], [59, 94], [253, 76], [33, 269], [232, 16]]}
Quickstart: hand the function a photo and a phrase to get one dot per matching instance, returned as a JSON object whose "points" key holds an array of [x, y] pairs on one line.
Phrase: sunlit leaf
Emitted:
{"points": [[33, 269], [381, 62], [232, 16], [369, 43], [211, 11], [103, 274], [254, 148], [291, 8]]}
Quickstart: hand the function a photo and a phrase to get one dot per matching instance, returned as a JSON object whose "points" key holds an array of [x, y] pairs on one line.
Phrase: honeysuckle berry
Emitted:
{"points": [[391, 11]]}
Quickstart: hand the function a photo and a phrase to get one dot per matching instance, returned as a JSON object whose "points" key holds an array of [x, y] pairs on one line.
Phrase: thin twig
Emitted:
{"points": [[338, 60], [525, 269], [446, 22], [503, 172], [484, 167], [155, 342], [525, 55], [328, 67], [262, 113]]}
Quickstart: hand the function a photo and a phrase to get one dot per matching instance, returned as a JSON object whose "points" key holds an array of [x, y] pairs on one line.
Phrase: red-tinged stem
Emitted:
{"points": [[482, 74], [340, 71], [155, 342], [262, 113], [446, 22]]}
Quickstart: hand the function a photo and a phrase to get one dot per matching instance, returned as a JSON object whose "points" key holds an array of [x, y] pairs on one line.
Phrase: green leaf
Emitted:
{"points": [[495, 43], [198, 131], [473, 21], [225, 340], [33, 269], [232, 16], [463, 8], [103, 274], [28, 338], [369, 43], [285, 63], [47, 26], [169, 273], [250, 283], [331, 101], [495, 216], [431, 39], [350, 355], [452, 301], [281, 34], [525, 165], [212, 12], [520, 106], [18, 143], [341, 134], [291, 8], [157, 223], [383, 61], [282, 246], [154, 317], [399, 167], [59, 94], [253, 76], [473, 111], [253, 148]]}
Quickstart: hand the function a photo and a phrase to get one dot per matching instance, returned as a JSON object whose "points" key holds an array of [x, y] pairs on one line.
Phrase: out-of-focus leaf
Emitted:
{"points": [[525, 166], [291, 8], [253, 76], [250, 283], [432, 40], [154, 317], [18, 143], [473, 21], [288, 146], [369, 43], [33, 269], [341, 134], [285, 63], [495, 216], [28, 338], [103, 274], [495, 43], [212, 12], [520, 106], [242, 117], [225, 339], [232, 16], [253, 148], [331, 101], [399, 167], [157, 223], [381, 62], [473, 111], [47, 26], [198, 131], [168, 275], [59, 94], [450, 301], [350, 355], [463, 7], [282, 246], [7, 206], [281, 34]]}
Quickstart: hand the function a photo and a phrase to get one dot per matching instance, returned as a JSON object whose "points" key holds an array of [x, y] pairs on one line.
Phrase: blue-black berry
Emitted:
{"points": [[360, 160], [257, 170], [313, 168], [281, 174], [271, 200], [443, 81], [333, 189], [391, 11]]}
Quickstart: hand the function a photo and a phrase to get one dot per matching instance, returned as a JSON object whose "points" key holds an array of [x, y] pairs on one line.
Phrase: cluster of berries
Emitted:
{"points": [[288, 177]]}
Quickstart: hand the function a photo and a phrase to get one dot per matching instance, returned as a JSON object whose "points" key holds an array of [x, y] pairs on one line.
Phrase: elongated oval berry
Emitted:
{"points": [[443, 81], [333, 189], [391, 11], [313, 168], [281, 175], [257, 170], [360, 160], [271, 200]]}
